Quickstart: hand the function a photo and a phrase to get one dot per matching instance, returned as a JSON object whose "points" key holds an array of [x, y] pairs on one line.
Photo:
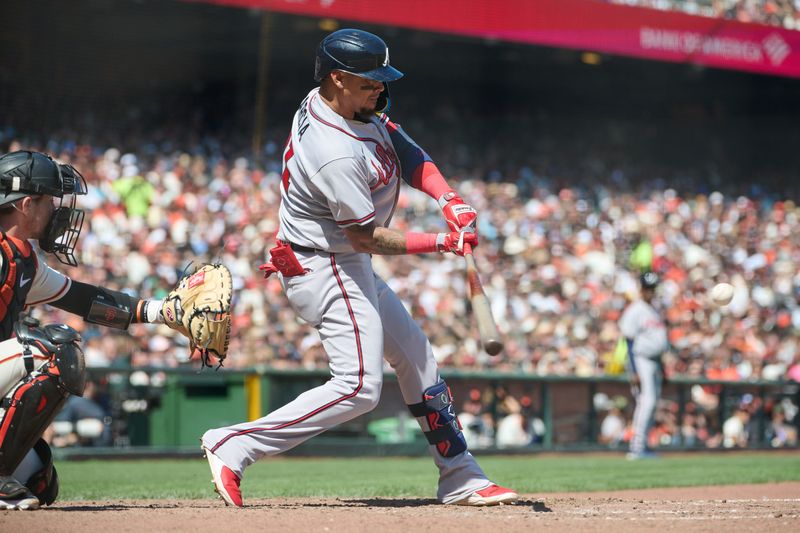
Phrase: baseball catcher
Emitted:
{"points": [[199, 308], [41, 365]]}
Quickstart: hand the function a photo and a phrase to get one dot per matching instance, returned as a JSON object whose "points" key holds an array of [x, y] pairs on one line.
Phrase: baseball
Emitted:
{"points": [[722, 293]]}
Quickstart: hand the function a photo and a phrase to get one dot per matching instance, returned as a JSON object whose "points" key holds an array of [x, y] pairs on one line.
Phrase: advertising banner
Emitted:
{"points": [[591, 25]]}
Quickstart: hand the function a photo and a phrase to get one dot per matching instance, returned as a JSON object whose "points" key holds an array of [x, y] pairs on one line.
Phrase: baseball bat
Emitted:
{"points": [[490, 336]]}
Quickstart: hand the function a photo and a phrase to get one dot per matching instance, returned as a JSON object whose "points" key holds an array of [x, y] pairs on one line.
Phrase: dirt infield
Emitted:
{"points": [[769, 507]]}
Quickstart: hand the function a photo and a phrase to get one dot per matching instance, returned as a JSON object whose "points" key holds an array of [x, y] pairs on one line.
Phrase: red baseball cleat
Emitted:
{"points": [[226, 483], [491, 495]]}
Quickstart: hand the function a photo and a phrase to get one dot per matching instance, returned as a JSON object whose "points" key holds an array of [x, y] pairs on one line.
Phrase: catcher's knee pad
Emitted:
{"points": [[60, 342], [44, 482], [444, 429]]}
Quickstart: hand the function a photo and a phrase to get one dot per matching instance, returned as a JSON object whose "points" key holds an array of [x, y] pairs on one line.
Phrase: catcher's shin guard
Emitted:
{"points": [[444, 429], [29, 410], [44, 482]]}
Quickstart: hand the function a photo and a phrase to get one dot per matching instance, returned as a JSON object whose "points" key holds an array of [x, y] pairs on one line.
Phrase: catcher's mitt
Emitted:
{"points": [[199, 307]]}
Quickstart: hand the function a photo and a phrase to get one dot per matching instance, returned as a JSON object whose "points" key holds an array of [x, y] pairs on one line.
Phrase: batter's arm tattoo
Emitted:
{"points": [[373, 239]]}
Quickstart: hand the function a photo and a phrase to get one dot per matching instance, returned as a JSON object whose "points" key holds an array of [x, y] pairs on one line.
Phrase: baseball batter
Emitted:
{"points": [[40, 366], [646, 335], [343, 166]]}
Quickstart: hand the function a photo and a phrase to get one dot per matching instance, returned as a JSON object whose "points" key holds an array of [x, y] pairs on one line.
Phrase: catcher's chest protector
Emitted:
{"points": [[16, 279]]}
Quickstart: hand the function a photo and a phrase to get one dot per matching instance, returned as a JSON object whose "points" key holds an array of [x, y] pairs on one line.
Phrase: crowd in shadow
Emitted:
{"points": [[784, 13]]}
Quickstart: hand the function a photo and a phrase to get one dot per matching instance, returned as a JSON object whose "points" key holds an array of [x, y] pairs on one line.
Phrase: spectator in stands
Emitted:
{"points": [[784, 13], [781, 433], [82, 421], [666, 431], [134, 190], [512, 430], [476, 421], [614, 427], [734, 430], [533, 423]]}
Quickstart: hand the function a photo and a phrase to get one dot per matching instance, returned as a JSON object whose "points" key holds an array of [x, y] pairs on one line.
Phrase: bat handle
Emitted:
{"points": [[467, 248]]}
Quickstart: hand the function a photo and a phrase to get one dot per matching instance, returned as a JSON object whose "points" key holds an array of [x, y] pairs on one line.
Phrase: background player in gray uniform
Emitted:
{"points": [[343, 165], [646, 335], [41, 366]]}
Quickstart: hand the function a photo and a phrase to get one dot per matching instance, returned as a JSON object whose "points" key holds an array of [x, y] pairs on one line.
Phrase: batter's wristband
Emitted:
{"points": [[421, 243], [444, 199]]}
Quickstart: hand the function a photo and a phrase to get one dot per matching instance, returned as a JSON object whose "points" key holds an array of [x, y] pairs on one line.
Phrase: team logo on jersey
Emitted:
{"points": [[388, 162]]}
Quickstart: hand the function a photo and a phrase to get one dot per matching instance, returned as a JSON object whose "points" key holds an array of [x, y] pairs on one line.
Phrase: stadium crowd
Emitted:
{"points": [[559, 264], [560, 253], [784, 13]]}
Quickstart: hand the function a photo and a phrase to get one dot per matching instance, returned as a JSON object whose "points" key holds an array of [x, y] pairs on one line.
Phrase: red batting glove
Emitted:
{"points": [[457, 214], [455, 241]]}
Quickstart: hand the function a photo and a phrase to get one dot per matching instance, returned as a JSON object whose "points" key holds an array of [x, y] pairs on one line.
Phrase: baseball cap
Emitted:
{"points": [[649, 280]]}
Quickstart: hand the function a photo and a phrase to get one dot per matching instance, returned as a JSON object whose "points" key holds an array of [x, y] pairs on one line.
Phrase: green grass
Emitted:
{"points": [[397, 477]]}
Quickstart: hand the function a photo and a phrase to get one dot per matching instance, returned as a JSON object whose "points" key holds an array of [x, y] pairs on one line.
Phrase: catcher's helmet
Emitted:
{"points": [[27, 173], [355, 51], [649, 280]]}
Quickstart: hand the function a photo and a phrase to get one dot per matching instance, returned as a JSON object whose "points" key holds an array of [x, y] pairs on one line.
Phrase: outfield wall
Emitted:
{"points": [[167, 410]]}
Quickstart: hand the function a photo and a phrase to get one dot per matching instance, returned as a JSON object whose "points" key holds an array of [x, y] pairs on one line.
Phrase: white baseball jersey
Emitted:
{"points": [[48, 285], [338, 173], [642, 323]]}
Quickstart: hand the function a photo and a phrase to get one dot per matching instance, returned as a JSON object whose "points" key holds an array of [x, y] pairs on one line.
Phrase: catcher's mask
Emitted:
{"points": [[27, 173]]}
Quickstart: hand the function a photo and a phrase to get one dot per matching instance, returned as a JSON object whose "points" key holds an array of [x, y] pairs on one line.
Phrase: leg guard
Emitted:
{"points": [[44, 483], [33, 404], [29, 410], [444, 429]]}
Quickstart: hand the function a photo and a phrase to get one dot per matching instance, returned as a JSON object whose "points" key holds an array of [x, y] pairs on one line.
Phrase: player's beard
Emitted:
{"points": [[366, 111], [41, 233], [364, 114], [39, 226]]}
